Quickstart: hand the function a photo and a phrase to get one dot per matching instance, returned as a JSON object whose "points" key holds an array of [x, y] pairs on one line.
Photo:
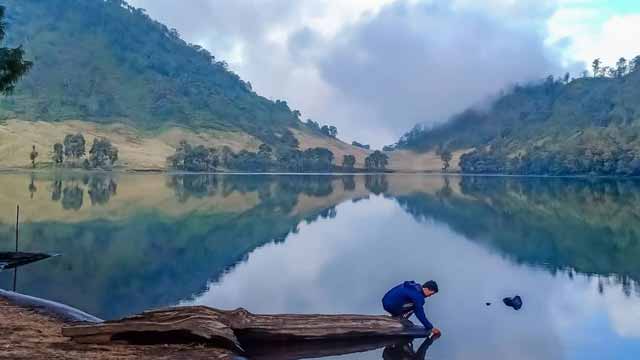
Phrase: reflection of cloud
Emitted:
{"points": [[624, 311], [344, 265]]}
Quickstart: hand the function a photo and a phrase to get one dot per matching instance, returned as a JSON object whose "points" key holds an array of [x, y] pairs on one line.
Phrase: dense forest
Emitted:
{"points": [[198, 158], [112, 63], [568, 126]]}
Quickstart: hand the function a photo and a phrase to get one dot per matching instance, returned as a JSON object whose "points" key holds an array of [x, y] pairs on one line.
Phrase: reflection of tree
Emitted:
{"points": [[445, 191], [56, 190], [377, 184], [197, 186], [348, 182], [32, 187], [282, 190], [588, 226], [72, 197], [311, 185], [101, 188], [328, 213]]}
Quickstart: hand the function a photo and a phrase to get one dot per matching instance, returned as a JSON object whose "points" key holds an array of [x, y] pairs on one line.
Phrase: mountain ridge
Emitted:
{"points": [[113, 63], [584, 126]]}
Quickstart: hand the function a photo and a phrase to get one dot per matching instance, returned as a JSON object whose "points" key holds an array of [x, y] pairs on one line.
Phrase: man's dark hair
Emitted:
{"points": [[431, 285]]}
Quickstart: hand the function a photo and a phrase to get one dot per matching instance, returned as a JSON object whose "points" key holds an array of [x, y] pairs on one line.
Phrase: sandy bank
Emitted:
{"points": [[29, 335]]}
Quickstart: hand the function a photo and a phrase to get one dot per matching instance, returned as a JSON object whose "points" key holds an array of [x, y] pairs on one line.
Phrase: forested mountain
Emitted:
{"points": [[588, 125], [105, 61]]}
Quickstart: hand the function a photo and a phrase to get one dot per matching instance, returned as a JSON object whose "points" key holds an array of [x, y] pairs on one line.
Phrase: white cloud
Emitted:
{"points": [[594, 31], [423, 60]]}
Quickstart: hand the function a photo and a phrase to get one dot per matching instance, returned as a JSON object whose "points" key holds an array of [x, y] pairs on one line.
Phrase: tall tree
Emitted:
{"points": [[33, 156], [348, 162], [634, 64], [330, 131], [596, 67], [376, 161], [58, 154], [445, 156], [103, 153], [12, 63], [621, 67], [74, 146]]}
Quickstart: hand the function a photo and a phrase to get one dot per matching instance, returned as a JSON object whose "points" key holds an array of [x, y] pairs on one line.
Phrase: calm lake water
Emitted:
{"points": [[335, 244]]}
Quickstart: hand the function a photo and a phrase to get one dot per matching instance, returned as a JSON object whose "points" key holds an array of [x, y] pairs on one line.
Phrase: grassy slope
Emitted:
{"points": [[138, 149], [101, 61], [108, 70], [148, 149]]}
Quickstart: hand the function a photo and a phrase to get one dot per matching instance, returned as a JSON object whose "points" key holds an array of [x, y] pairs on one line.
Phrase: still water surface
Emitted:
{"points": [[335, 244]]}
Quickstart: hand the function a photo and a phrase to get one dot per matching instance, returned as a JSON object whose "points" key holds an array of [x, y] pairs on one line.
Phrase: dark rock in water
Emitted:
{"points": [[488, 304], [514, 302]]}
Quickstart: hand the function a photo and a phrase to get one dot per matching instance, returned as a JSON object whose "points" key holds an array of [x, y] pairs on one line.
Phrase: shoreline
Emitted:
{"points": [[133, 171], [29, 334]]}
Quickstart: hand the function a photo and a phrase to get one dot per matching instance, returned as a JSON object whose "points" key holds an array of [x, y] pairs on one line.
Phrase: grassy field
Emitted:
{"points": [[138, 150], [148, 150]]}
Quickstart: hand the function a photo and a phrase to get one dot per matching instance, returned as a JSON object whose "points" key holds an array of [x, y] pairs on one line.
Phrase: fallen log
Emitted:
{"points": [[239, 329], [182, 325]]}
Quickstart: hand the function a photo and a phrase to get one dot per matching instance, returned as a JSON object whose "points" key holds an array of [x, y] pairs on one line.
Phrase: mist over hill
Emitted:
{"points": [[587, 125]]}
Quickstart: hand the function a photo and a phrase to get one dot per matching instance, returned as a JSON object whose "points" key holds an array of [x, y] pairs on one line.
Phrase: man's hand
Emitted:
{"points": [[435, 333]]}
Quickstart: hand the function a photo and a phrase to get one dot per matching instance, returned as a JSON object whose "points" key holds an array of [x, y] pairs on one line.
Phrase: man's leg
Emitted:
{"points": [[407, 310]]}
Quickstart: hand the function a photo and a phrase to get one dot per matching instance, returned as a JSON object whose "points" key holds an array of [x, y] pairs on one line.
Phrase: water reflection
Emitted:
{"points": [[392, 349], [336, 243], [376, 184], [32, 187], [405, 351], [101, 189], [560, 224]]}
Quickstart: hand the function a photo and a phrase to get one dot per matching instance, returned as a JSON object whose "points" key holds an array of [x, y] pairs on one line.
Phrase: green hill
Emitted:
{"points": [[105, 61], [589, 125]]}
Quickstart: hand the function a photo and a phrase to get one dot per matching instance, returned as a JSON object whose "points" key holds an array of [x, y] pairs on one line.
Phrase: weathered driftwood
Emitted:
{"points": [[234, 329], [10, 260], [171, 326]]}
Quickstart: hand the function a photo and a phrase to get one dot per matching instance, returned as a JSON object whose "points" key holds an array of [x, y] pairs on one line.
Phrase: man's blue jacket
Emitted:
{"points": [[409, 292]]}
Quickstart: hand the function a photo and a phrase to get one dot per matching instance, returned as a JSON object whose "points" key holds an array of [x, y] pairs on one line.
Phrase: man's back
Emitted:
{"points": [[407, 292]]}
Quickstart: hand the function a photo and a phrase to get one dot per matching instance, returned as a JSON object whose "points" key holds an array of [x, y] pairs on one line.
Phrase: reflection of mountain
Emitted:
{"points": [[150, 259], [162, 239], [589, 226]]}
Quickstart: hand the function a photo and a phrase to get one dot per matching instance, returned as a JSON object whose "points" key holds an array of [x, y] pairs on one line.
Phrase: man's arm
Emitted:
{"points": [[419, 311]]}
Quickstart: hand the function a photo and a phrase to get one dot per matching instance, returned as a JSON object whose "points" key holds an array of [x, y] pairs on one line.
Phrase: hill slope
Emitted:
{"points": [[104, 61], [586, 126], [106, 69]]}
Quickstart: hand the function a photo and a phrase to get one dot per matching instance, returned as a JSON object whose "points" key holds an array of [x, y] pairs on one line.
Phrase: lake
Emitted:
{"points": [[334, 244]]}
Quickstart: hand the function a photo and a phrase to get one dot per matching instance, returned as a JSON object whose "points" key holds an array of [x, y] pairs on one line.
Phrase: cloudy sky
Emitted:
{"points": [[375, 68]]}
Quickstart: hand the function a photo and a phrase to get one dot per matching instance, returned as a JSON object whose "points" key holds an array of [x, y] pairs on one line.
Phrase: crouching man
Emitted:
{"points": [[408, 298]]}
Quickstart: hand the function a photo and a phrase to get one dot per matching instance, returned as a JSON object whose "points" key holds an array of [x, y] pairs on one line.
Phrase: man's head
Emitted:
{"points": [[429, 288]]}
